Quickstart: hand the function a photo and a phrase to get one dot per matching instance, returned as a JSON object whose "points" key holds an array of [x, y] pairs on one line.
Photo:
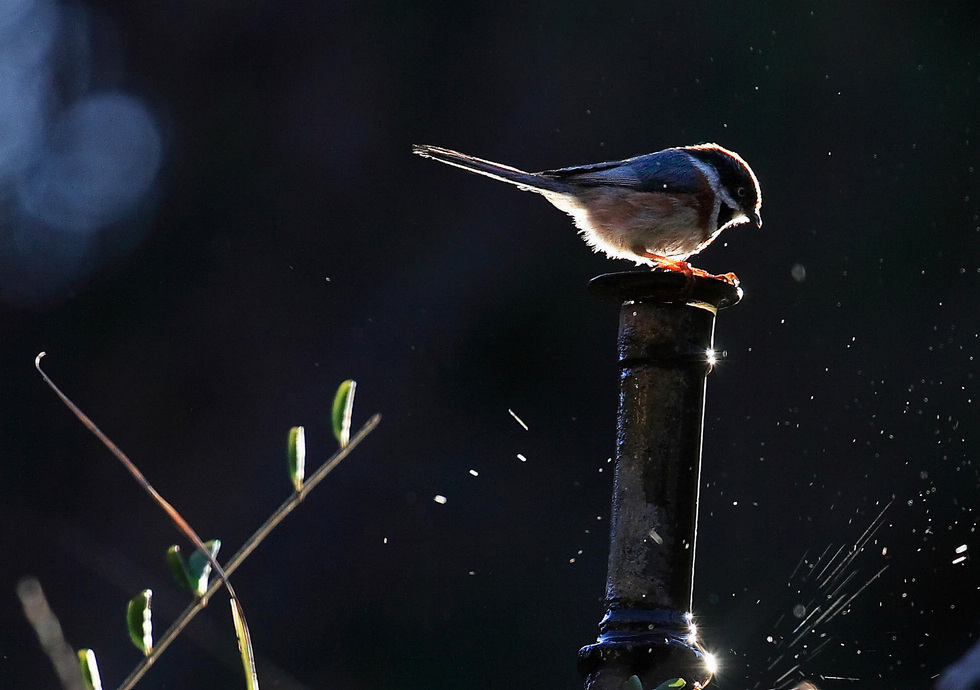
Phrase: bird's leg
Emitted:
{"points": [[686, 269], [674, 265]]}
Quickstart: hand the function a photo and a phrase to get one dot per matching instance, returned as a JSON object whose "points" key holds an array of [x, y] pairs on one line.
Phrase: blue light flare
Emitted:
{"points": [[101, 158], [71, 164]]}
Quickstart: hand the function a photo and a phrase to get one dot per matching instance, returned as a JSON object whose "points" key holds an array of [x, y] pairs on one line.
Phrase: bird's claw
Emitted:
{"points": [[690, 271]]}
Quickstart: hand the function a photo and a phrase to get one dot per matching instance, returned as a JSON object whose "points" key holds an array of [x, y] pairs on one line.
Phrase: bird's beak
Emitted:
{"points": [[756, 219]]}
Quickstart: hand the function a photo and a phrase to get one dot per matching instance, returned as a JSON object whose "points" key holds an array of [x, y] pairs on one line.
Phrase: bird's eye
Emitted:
{"points": [[741, 191]]}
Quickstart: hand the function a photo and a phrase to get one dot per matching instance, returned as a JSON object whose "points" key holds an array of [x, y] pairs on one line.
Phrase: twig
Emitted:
{"points": [[250, 544], [176, 517]]}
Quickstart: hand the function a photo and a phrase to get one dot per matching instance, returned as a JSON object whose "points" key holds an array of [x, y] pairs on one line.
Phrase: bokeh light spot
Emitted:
{"points": [[101, 159]]}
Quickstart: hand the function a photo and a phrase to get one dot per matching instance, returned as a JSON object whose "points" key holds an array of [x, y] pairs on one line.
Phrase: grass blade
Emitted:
{"points": [[244, 646]]}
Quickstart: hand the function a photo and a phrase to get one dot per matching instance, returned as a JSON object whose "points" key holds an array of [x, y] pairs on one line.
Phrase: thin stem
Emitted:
{"points": [[247, 548], [175, 516]]}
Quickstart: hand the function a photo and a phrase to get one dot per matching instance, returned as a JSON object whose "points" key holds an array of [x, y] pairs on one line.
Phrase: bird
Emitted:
{"points": [[657, 209]]}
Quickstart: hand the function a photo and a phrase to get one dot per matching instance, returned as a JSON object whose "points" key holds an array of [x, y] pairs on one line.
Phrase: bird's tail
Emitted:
{"points": [[525, 180]]}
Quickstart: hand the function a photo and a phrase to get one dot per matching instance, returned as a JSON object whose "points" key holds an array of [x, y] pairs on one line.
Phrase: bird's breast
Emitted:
{"points": [[623, 222]]}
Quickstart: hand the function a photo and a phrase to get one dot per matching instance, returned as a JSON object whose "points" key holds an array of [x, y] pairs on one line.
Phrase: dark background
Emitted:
{"points": [[290, 240]]}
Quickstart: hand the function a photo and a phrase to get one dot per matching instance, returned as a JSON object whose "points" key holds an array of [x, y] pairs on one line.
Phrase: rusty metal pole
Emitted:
{"points": [[666, 330]]}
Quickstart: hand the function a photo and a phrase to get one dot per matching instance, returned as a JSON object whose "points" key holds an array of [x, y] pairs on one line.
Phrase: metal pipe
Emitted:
{"points": [[666, 331]]}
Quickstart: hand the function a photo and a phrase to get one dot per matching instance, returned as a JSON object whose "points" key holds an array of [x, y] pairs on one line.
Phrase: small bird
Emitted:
{"points": [[657, 209]]}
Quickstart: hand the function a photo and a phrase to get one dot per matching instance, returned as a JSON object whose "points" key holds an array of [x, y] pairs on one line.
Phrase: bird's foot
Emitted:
{"points": [[688, 270], [729, 278]]}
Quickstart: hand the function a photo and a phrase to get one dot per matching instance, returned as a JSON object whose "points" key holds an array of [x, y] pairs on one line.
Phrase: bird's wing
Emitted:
{"points": [[670, 171]]}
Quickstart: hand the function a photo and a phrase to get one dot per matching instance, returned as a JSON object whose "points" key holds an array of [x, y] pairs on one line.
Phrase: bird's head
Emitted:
{"points": [[738, 186]]}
